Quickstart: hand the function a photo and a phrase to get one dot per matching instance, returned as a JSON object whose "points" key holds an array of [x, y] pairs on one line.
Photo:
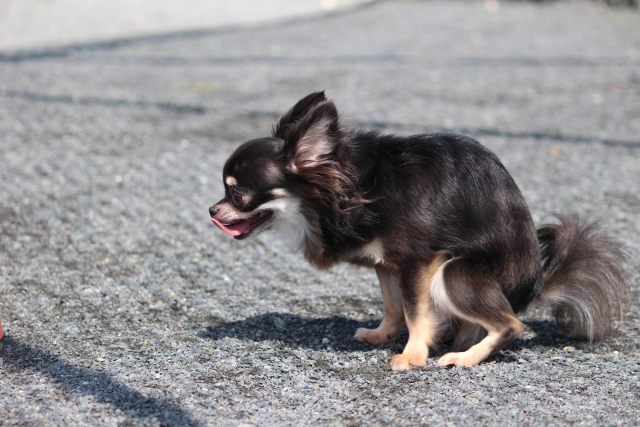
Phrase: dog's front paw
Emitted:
{"points": [[404, 362], [373, 336], [458, 359]]}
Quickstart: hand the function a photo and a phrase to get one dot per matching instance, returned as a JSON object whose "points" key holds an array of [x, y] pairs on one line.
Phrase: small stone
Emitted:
{"points": [[279, 323]]}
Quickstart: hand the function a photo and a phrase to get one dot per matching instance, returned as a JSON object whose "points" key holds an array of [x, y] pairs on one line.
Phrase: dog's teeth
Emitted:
{"points": [[262, 214]]}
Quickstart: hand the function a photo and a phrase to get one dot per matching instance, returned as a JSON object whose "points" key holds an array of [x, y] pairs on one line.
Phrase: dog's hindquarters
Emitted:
{"points": [[471, 291], [584, 284]]}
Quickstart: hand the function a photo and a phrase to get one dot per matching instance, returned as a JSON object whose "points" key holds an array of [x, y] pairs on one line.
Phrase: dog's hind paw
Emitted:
{"points": [[459, 359]]}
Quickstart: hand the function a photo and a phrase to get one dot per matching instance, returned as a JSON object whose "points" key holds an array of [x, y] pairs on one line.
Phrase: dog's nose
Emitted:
{"points": [[213, 210]]}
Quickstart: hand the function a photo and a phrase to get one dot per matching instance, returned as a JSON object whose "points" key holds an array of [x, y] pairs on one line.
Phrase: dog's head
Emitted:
{"points": [[253, 180], [264, 178]]}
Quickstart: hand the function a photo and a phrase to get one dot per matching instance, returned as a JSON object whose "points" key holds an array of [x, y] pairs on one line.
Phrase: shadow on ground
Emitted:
{"points": [[297, 331], [20, 358], [337, 333]]}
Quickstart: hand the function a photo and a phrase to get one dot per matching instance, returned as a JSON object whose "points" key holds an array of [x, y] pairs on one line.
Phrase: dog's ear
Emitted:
{"points": [[312, 136], [292, 116]]}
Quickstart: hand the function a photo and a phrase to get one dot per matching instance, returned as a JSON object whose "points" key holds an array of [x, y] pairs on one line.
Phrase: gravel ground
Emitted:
{"points": [[123, 305]]}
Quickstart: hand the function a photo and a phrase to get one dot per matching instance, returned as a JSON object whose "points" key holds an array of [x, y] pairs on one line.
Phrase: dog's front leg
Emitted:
{"points": [[422, 320], [393, 312]]}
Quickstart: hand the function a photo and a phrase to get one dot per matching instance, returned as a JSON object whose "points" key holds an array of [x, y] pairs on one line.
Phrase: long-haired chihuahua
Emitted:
{"points": [[440, 220]]}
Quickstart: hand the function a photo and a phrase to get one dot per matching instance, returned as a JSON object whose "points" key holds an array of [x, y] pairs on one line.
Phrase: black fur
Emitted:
{"points": [[427, 194]]}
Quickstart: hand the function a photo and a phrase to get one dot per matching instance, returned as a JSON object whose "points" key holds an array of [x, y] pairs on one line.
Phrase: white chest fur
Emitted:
{"points": [[290, 224], [373, 251]]}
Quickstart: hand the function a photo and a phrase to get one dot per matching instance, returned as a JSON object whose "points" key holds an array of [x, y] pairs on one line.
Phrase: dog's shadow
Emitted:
{"points": [[295, 331], [337, 332]]}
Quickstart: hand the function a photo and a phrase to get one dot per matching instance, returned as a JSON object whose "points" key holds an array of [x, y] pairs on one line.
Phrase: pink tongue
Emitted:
{"points": [[235, 229]]}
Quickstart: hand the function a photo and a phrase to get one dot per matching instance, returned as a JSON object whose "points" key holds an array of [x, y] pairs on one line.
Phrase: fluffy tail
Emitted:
{"points": [[584, 281]]}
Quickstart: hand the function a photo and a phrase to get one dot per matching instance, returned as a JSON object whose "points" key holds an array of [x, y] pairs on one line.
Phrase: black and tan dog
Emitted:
{"points": [[438, 217]]}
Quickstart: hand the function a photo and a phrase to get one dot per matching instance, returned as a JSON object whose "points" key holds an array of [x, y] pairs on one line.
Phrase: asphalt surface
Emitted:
{"points": [[123, 305], [37, 24]]}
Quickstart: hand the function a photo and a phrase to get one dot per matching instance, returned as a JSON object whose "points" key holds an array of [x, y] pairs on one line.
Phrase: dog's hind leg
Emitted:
{"points": [[393, 312], [467, 334], [422, 320], [470, 291]]}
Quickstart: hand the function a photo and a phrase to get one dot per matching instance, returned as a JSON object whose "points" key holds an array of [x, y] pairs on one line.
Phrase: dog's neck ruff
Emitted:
{"points": [[290, 224]]}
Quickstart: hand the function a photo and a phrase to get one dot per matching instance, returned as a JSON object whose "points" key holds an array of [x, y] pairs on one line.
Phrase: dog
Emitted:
{"points": [[440, 220]]}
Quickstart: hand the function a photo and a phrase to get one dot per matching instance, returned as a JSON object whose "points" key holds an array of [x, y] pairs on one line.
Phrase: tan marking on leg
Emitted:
{"points": [[393, 312], [422, 333], [423, 329], [486, 347]]}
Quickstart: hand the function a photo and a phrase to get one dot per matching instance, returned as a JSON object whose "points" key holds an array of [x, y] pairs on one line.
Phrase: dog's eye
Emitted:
{"points": [[237, 197]]}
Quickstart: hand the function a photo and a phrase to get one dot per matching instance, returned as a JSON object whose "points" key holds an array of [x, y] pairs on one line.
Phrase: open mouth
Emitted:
{"points": [[242, 228]]}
